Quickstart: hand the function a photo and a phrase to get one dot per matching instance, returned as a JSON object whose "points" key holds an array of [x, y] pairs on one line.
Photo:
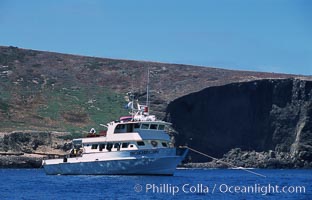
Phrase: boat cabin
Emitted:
{"points": [[130, 135]]}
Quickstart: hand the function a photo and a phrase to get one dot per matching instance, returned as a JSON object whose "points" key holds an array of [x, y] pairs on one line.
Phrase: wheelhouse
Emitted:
{"points": [[130, 127]]}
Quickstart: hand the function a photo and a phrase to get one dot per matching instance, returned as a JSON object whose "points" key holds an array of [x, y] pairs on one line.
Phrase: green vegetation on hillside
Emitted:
{"points": [[71, 109], [78, 109]]}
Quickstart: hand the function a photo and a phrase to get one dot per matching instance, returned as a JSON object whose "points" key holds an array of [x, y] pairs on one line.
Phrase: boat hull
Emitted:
{"points": [[142, 165]]}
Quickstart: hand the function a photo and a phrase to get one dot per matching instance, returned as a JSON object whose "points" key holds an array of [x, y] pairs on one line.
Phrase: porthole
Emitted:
{"points": [[154, 143]]}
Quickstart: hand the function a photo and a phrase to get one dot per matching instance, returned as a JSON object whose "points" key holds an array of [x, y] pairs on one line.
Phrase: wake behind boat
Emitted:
{"points": [[132, 145]]}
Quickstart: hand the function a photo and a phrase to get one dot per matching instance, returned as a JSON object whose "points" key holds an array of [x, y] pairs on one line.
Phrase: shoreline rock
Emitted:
{"points": [[27, 149], [236, 158], [23, 161]]}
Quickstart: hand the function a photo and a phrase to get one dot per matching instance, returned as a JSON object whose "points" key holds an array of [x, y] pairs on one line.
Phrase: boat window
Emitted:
{"points": [[117, 146], [140, 143], [131, 145], [120, 128], [94, 146], [164, 144], [101, 147], [161, 127], [124, 145], [109, 146], [153, 126], [130, 128], [136, 125], [144, 126]]}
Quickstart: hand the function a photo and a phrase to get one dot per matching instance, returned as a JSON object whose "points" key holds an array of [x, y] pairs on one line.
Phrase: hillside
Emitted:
{"points": [[250, 119], [52, 91]]}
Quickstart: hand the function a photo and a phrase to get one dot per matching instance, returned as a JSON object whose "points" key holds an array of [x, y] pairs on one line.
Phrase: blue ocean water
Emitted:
{"points": [[185, 184]]}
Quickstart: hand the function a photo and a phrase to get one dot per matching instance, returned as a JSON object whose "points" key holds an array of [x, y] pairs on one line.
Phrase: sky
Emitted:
{"points": [[255, 35]]}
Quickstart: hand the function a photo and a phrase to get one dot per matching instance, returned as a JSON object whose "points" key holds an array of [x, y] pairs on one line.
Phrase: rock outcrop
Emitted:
{"points": [[263, 117], [26, 149]]}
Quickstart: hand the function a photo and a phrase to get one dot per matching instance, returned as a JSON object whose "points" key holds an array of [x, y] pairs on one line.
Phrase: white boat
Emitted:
{"points": [[134, 145]]}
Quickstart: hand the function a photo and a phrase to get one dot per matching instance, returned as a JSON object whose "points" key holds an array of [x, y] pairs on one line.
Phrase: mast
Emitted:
{"points": [[147, 88]]}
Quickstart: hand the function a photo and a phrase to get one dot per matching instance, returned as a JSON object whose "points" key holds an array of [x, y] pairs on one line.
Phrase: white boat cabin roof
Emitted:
{"points": [[119, 131]]}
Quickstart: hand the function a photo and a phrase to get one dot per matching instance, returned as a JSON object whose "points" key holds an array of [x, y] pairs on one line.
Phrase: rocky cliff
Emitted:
{"points": [[270, 118]]}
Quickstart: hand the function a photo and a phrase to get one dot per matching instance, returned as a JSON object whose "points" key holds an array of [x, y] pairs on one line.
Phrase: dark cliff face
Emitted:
{"points": [[259, 115]]}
